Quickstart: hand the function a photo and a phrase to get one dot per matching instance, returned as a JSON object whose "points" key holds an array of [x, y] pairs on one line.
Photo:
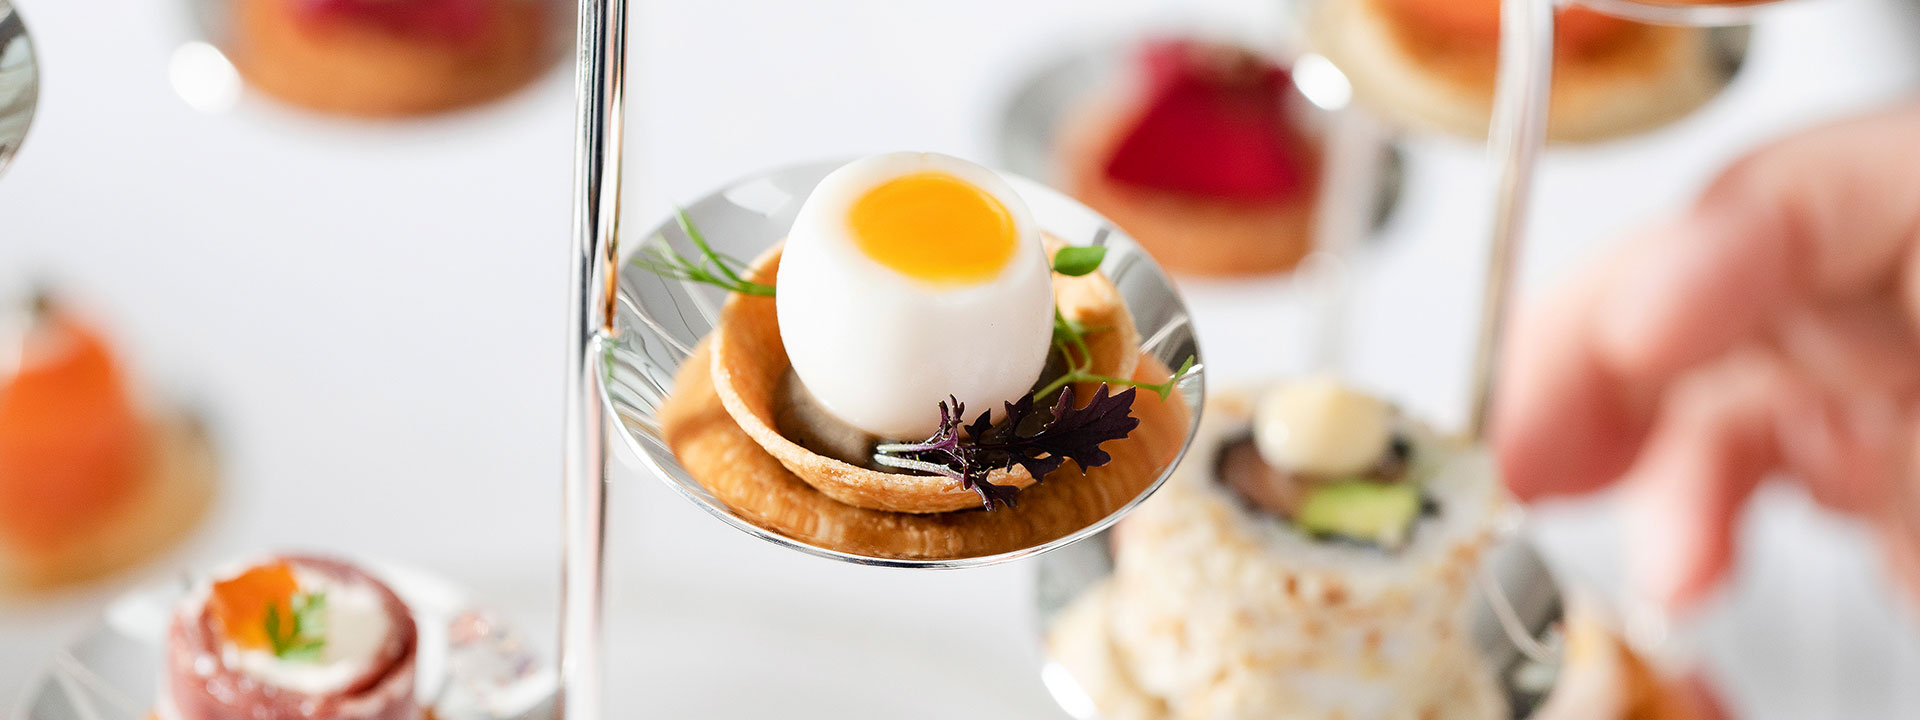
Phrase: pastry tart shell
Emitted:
{"points": [[749, 363]]}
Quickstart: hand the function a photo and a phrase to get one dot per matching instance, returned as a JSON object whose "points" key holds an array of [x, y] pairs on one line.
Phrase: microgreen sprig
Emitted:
{"points": [[968, 453], [1070, 340], [302, 635], [712, 267]]}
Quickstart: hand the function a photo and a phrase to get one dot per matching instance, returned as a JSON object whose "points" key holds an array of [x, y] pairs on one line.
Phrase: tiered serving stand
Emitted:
{"points": [[629, 333]]}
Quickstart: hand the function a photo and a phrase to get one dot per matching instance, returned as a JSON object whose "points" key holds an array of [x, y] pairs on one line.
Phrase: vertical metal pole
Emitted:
{"points": [[1515, 139], [1354, 148], [600, 116]]}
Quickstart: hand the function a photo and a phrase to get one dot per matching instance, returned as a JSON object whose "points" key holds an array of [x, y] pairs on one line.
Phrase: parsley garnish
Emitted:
{"points": [[968, 454], [302, 635]]}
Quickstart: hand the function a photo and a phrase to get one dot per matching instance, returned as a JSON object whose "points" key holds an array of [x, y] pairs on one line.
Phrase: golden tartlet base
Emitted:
{"points": [[168, 502], [750, 361], [740, 473], [1643, 80], [355, 69]]}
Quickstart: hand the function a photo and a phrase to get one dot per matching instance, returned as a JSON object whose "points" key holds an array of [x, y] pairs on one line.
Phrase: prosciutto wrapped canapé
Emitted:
{"points": [[292, 638]]}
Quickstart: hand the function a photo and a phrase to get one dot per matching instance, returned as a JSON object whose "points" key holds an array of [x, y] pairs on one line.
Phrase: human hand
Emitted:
{"points": [[1771, 328]]}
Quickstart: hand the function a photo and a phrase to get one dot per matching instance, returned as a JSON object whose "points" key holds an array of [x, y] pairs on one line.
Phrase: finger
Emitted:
{"points": [[1847, 449], [1902, 550], [1818, 216], [1829, 215], [1561, 425], [1861, 347], [1713, 443], [1898, 522]]}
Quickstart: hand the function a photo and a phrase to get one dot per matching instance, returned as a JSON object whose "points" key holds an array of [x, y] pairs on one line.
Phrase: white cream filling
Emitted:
{"points": [[354, 625]]}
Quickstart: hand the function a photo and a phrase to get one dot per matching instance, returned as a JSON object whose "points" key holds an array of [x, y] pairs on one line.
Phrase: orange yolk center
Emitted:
{"points": [[934, 227], [240, 604]]}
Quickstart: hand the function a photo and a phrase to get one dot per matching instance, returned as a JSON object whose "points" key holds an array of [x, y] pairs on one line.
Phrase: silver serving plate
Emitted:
{"points": [[19, 82], [471, 666], [1516, 625], [1725, 14], [659, 321]]}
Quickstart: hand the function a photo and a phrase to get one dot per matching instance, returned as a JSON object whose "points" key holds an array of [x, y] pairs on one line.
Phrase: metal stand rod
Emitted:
{"points": [[600, 116], [1517, 135], [1355, 147]]}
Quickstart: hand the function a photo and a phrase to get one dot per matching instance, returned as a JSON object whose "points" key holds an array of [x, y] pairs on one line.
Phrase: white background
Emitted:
{"points": [[372, 316]]}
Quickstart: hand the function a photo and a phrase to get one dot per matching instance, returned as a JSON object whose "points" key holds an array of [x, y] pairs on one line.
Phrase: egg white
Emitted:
{"points": [[881, 350]]}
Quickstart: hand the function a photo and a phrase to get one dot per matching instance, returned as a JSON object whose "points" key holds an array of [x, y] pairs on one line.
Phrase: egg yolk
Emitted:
{"points": [[240, 604], [934, 227]]}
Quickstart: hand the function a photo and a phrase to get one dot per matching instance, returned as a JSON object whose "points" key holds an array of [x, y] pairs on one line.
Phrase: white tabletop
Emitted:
{"points": [[373, 317]]}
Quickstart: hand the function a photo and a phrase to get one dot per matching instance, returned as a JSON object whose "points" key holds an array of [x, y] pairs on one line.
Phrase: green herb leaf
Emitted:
{"points": [[303, 635], [273, 625], [712, 267], [1078, 260]]}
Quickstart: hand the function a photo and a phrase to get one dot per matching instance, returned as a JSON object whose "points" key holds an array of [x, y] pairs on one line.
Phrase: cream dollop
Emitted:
{"points": [[1319, 426]]}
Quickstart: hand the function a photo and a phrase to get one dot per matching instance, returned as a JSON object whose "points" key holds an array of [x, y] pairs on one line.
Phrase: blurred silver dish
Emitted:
{"points": [[1322, 554], [1509, 630], [470, 664], [1683, 12], [1612, 78], [652, 388], [19, 82]]}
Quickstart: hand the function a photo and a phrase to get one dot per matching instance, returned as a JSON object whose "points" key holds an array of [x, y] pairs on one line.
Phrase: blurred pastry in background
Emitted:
{"points": [[1602, 678], [90, 481], [1313, 558], [387, 58], [1430, 64], [1201, 156], [291, 638]]}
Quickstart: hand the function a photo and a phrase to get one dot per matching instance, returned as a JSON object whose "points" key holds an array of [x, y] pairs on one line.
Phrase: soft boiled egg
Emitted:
{"points": [[908, 278]]}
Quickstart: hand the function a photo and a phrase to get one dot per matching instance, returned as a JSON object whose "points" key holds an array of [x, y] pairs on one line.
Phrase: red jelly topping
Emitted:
{"points": [[442, 19], [1215, 125]]}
